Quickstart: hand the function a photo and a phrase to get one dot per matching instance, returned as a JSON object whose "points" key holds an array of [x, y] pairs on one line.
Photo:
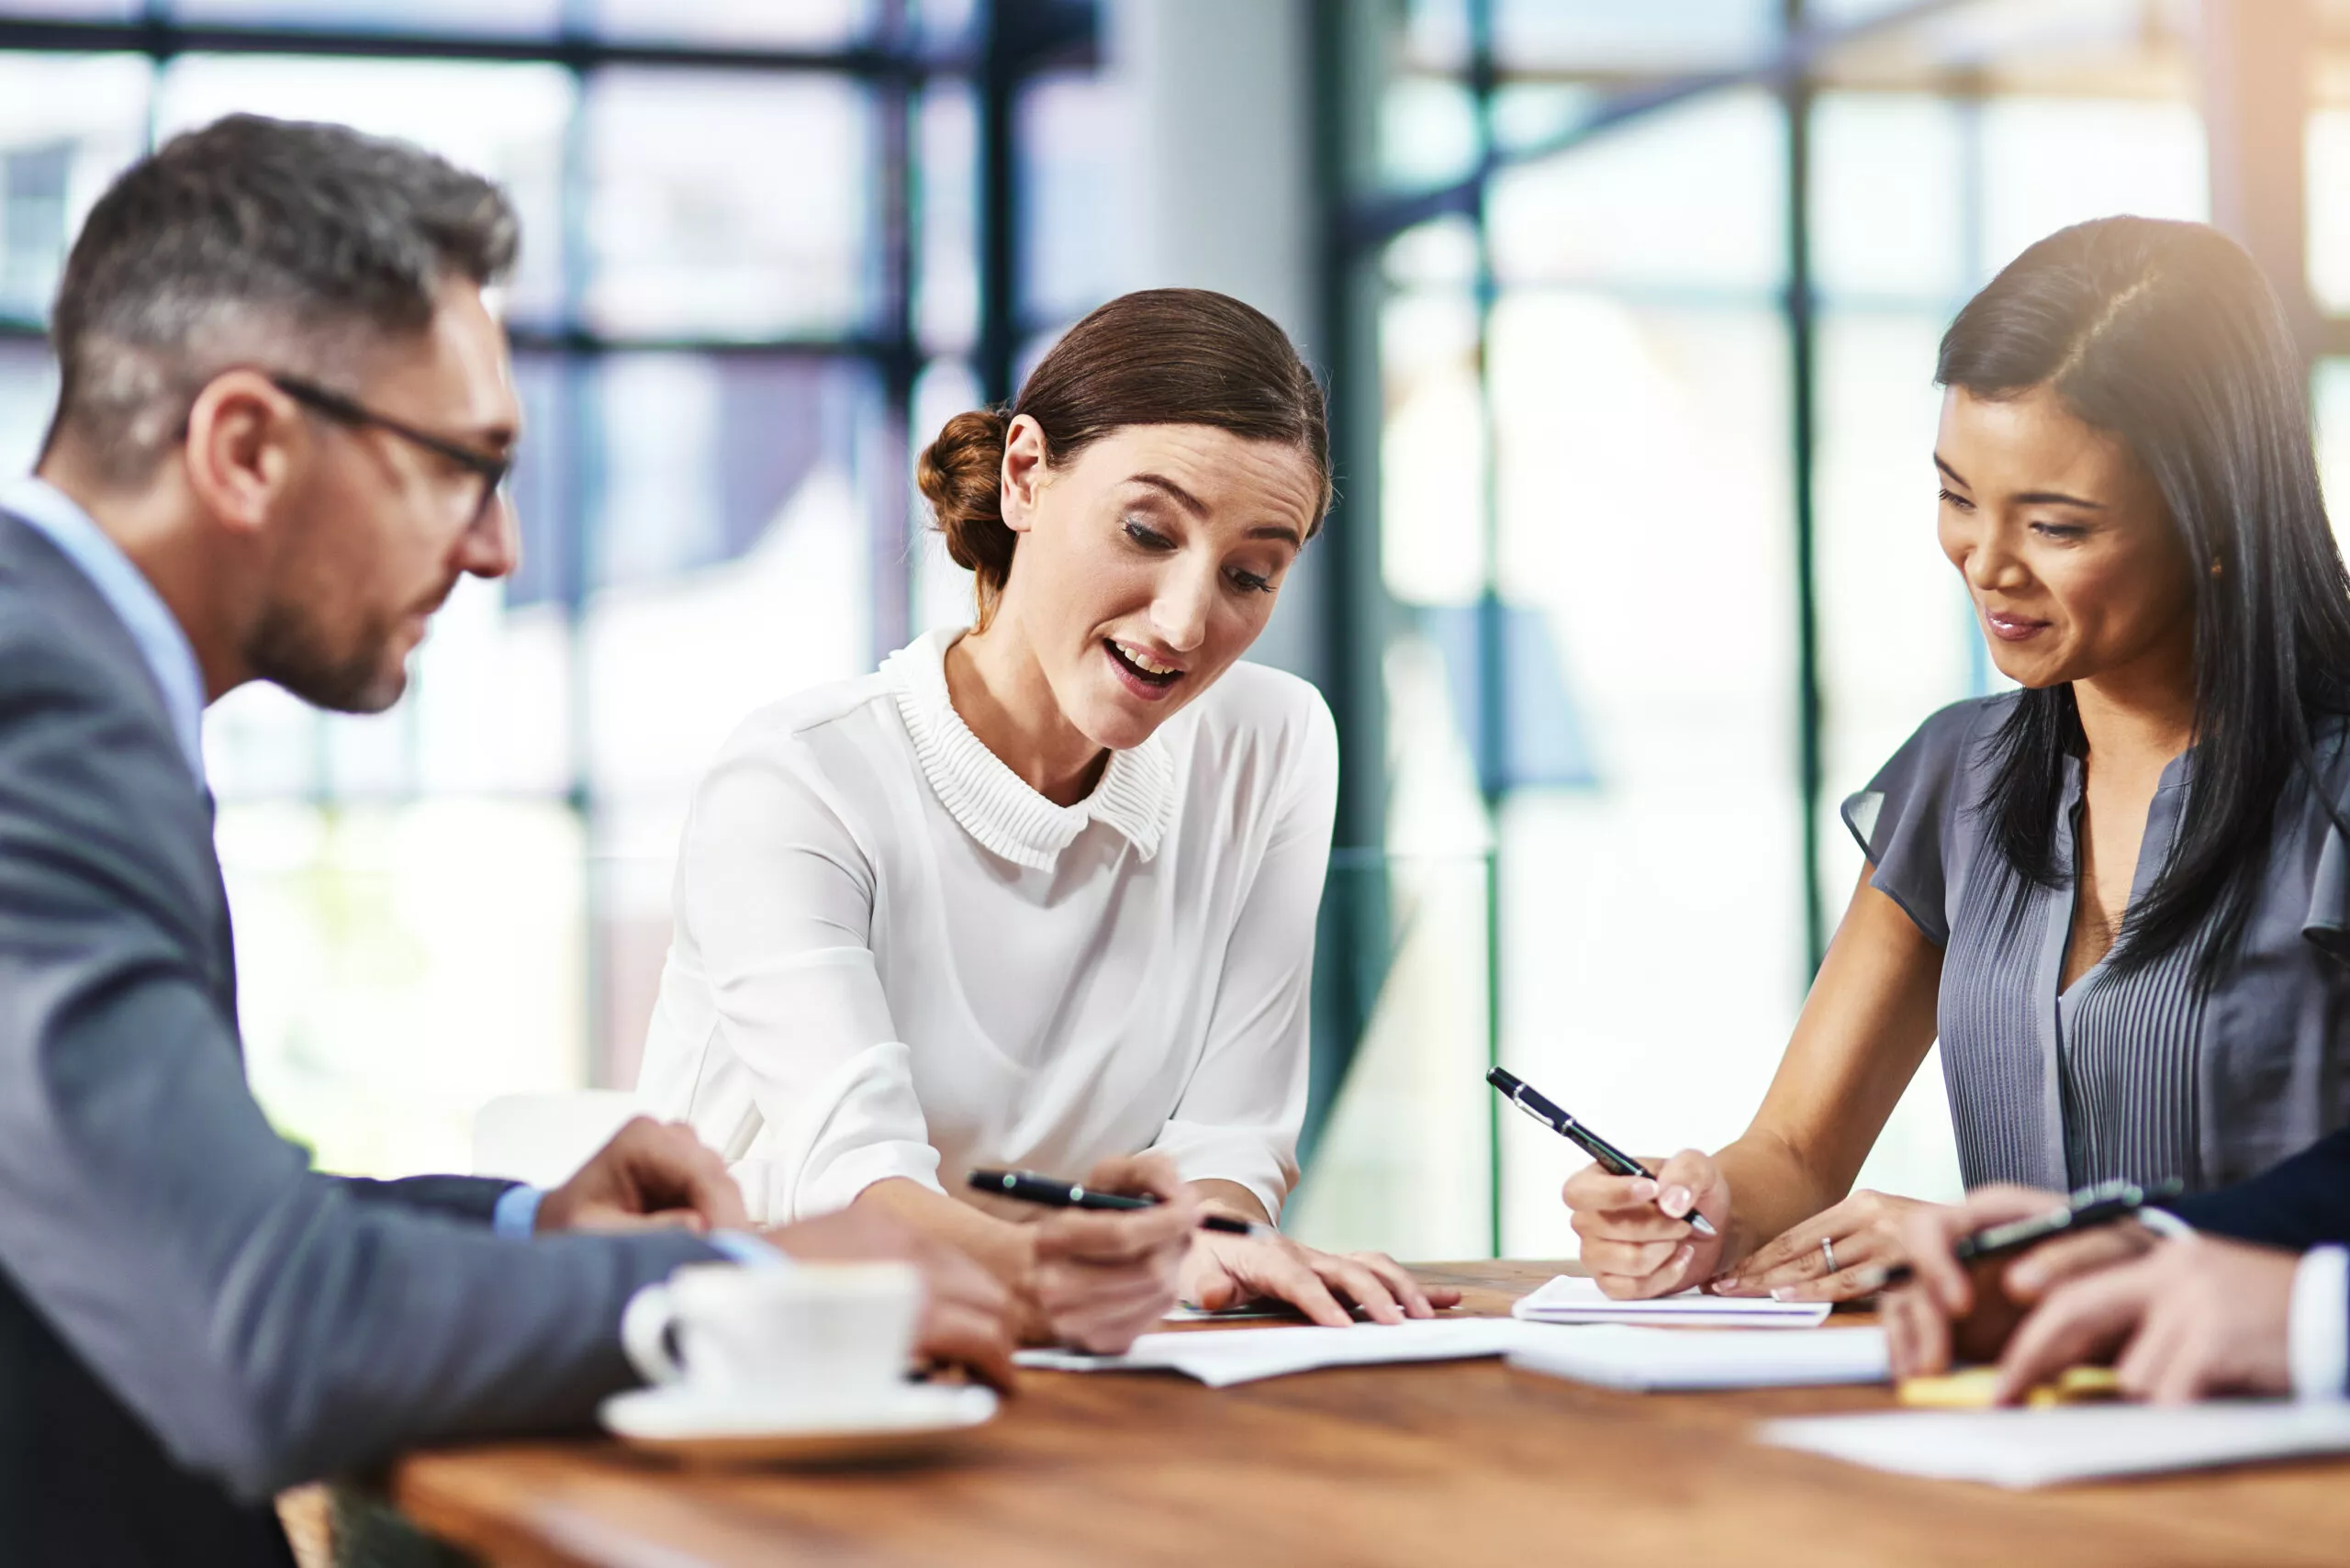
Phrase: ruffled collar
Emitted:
{"points": [[995, 805]]}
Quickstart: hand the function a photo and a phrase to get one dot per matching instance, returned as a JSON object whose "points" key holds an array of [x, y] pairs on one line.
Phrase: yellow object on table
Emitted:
{"points": [[1970, 1389]]}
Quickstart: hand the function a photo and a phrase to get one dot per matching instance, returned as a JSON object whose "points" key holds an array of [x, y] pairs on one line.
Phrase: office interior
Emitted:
{"points": [[1627, 312]]}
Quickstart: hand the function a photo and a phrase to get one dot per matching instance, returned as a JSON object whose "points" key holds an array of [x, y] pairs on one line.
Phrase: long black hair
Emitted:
{"points": [[2166, 336]]}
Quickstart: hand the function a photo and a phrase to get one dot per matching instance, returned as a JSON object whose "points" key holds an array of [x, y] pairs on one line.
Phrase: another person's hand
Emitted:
{"points": [[1862, 1234], [1224, 1270], [2192, 1317], [1918, 1316], [1637, 1239], [650, 1174], [967, 1315], [1103, 1278]]}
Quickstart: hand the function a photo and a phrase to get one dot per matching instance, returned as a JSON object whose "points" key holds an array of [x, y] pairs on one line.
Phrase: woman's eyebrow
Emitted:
{"points": [[1190, 503], [2027, 498]]}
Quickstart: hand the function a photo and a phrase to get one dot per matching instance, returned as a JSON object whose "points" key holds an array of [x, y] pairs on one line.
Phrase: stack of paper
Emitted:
{"points": [[1570, 1299], [1618, 1355], [1243, 1355], [2071, 1442]]}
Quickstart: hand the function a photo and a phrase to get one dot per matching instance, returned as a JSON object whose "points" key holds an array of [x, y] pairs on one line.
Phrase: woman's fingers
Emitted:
{"points": [[1684, 1182], [1405, 1290], [1294, 1281], [1663, 1280], [1349, 1279]]}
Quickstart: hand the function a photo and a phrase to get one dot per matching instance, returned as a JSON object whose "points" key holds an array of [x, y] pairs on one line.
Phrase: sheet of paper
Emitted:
{"points": [[2072, 1443], [1621, 1356], [1572, 1299], [1244, 1355]]}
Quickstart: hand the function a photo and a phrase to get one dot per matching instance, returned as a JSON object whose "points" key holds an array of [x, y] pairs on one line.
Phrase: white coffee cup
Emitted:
{"points": [[809, 1335]]}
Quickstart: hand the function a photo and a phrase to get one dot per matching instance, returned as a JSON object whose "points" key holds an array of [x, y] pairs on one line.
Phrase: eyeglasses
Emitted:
{"points": [[491, 471]]}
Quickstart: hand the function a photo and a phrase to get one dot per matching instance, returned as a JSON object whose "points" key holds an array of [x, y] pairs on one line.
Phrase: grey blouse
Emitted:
{"points": [[2141, 1075]]}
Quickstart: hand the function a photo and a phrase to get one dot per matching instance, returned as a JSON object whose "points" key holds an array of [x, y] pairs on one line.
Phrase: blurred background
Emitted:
{"points": [[1628, 312]]}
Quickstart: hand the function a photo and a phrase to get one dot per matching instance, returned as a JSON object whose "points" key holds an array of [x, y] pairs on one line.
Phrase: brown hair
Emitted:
{"points": [[1164, 356]]}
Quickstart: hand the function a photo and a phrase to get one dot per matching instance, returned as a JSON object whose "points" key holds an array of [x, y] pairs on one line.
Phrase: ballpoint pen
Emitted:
{"points": [[1052, 1191], [1610, 1158]]}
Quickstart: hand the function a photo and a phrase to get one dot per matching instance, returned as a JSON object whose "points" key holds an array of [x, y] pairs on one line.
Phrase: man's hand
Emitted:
{"points": [[1919, 1318], [651, 1174], [1103, 1279], [967, 1312], [2192, 1317]]}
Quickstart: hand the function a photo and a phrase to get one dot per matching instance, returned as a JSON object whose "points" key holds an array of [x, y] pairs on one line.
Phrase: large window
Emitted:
{"points": [[1652, 296], [752, 274]]}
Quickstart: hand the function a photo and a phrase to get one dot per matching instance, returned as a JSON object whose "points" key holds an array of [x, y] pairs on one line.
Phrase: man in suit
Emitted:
{"points": [[2245, 1290], [283, 419]]}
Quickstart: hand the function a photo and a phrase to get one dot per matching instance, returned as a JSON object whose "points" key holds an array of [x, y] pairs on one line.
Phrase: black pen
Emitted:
{"points": [[1027, 1187], [1610, 1158], [2100, 1205]]}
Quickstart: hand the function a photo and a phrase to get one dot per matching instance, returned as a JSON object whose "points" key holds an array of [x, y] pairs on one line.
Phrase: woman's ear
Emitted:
{"points": [[1024, 473]]}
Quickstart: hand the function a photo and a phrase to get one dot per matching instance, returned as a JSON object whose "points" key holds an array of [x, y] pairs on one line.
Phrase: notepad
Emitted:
{"points": [[2078, 1442], [1244, 1355], [1622, 1356], [1571, 1299]]}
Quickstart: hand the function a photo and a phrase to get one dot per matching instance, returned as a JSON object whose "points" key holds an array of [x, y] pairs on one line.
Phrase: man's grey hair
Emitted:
{"points": [[288, 246]]}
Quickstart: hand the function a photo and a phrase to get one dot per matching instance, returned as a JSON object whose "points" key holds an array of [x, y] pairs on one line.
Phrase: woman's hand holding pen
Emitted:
{"points": [[1839, 1254], [1101, 1278], [1637, 1238]]}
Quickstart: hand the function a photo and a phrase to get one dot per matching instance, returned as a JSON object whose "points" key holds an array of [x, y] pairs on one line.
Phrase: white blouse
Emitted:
{"points": [[892, 957]]}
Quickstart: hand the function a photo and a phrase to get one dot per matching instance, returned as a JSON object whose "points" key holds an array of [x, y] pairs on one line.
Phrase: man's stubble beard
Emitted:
{"points": [[289, 650]]}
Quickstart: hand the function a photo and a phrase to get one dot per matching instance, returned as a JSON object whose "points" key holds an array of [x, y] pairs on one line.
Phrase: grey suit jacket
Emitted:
{"points": [[173, 1273]]}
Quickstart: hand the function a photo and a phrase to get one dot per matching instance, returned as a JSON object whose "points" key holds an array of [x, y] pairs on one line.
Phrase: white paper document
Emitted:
{"points": [[1243, 1355], [2069, 1442], [1572, 1299], [1622, 1356]]}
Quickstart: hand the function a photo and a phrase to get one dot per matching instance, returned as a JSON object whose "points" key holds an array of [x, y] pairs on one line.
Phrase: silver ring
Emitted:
{"points": [[1828, 1253]]}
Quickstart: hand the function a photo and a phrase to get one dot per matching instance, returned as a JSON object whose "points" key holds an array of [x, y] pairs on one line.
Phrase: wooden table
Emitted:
{"points": [[1427, 1465]]}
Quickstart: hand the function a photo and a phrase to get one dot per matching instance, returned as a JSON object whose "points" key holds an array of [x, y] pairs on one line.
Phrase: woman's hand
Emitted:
{"points": [[1637, 1239], [1223, 1271], [1861, 1237], [1101, 1278]]}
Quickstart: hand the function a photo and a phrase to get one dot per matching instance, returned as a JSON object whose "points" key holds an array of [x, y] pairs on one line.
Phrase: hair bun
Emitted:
{"points": [[961, 476]]}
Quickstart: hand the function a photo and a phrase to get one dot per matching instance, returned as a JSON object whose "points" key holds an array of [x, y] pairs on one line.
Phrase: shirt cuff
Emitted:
{"points": [[2318, 1337], [747, 1250], [517, 1213], [2165, 1224]]}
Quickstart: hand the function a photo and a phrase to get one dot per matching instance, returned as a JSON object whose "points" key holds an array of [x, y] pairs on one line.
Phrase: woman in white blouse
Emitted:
{"points": [[1043, 893]]}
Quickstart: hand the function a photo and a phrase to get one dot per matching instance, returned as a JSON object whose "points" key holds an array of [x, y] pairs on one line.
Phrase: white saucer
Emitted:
{"points": [[715, 1427]]}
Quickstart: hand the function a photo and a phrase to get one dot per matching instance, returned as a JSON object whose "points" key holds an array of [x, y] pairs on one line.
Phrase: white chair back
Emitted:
{"points": [[542, 1138]]}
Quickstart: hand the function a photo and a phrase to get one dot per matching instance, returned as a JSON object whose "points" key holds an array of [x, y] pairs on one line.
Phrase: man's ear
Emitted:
{"points": [[1024, 467], [237, 450]]}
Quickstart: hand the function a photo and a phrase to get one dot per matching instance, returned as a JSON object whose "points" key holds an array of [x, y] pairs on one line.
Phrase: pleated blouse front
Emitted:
{"points": [[2141, 1074]]}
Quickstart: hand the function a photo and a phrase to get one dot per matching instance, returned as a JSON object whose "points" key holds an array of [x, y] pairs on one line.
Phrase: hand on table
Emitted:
{"points": [[1863, 1233], [1102, 1278], [651, 1174], [1223, 1269], [1918, 1316], [1637, 1239], [2192, 1317], [966, 1317]]}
